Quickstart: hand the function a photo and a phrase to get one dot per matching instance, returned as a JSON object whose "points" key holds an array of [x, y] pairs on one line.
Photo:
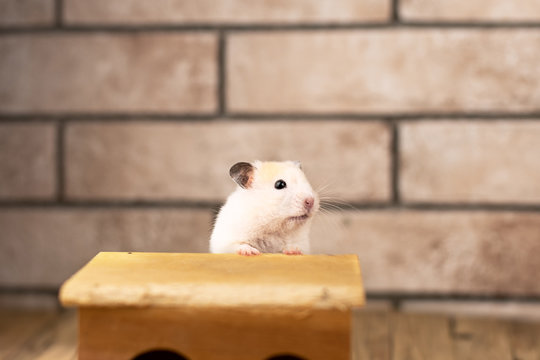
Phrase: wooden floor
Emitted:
{"points": [[381, 335]]}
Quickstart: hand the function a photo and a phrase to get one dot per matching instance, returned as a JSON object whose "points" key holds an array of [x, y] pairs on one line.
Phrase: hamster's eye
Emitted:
{"points": [[280, 184]]}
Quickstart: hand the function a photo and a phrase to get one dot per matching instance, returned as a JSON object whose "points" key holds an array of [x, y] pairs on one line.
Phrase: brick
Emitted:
{"points": [[488, 162], [384, 71], [228, 11], [455, 252], [26, 12], [470, 10], [43, 247], [191, 161], [27, 161], [108, 72], [503, 310]]}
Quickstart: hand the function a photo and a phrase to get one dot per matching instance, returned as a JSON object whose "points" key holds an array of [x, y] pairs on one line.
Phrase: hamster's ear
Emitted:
{"points": [[242, 174], [298, 164]]}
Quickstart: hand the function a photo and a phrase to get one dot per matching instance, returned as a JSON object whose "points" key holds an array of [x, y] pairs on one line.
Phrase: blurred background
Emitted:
{"points": [[119, 121]]}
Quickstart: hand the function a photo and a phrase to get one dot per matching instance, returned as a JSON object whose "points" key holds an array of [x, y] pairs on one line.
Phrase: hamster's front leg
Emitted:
{"points": [[296, 246], [292, 250], [247, 250]]}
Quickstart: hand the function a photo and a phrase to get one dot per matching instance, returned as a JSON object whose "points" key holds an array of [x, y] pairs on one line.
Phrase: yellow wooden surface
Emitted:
{"points": [[216, 280]]}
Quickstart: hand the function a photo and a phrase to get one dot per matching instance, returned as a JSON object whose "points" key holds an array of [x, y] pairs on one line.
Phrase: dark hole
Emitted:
{"points": [[160, 355], [285, 357]]}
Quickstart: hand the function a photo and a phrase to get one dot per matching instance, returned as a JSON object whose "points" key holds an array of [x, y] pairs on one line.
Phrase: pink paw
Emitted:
{"points": [[294, 251], [247, 250]]}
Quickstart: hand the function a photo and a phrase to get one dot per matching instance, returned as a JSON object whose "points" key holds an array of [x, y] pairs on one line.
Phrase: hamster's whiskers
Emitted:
{"points": [[335, 204]]}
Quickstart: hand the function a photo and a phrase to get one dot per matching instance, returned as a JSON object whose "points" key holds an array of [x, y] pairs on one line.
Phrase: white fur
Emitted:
{"points": [[259, 218]]}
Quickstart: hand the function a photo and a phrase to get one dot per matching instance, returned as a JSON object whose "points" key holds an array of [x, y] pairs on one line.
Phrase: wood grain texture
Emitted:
{"points": [[17, 327], [371, 335], [524, 340], [482, 339], [421, 337], [123, 333], [377, 334], [217, 280], [56, 341]]}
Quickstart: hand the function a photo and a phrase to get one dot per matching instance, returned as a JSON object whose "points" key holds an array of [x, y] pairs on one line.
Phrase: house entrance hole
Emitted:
{"points": [[160, 355]]}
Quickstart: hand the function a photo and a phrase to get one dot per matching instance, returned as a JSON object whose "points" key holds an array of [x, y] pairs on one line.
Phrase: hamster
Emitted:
{"points": [[270, 211]]}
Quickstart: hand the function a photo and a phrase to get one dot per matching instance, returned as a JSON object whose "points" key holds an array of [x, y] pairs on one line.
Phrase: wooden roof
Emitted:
{"points": [[216, 280]]}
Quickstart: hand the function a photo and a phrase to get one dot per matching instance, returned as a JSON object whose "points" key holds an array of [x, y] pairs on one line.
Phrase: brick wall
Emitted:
{"points": [[119, 121]]}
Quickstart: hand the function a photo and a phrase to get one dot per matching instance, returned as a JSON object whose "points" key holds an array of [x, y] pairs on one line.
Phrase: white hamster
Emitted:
{"points": [[270, 212]]}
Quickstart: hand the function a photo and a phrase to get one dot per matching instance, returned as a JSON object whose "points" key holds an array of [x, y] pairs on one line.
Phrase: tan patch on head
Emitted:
{"points": [[270, 171]]}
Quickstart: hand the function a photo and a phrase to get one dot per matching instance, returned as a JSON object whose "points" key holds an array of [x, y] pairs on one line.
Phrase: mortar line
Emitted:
{"points": [[74, 204], [395, 8], [59, 14], [222, 73], [60, 161], [350, 207], [183, 117], [306, 27], [395, 165], [28, 290], [437, 297], [392, 296]]}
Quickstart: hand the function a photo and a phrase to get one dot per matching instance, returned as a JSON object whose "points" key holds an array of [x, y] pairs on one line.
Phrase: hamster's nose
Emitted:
{"points": [[308, 203]]}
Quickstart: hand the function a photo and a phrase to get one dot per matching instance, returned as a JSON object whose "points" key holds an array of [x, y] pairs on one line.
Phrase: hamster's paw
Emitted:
{"points": [[292, 251], [247, 250]]}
